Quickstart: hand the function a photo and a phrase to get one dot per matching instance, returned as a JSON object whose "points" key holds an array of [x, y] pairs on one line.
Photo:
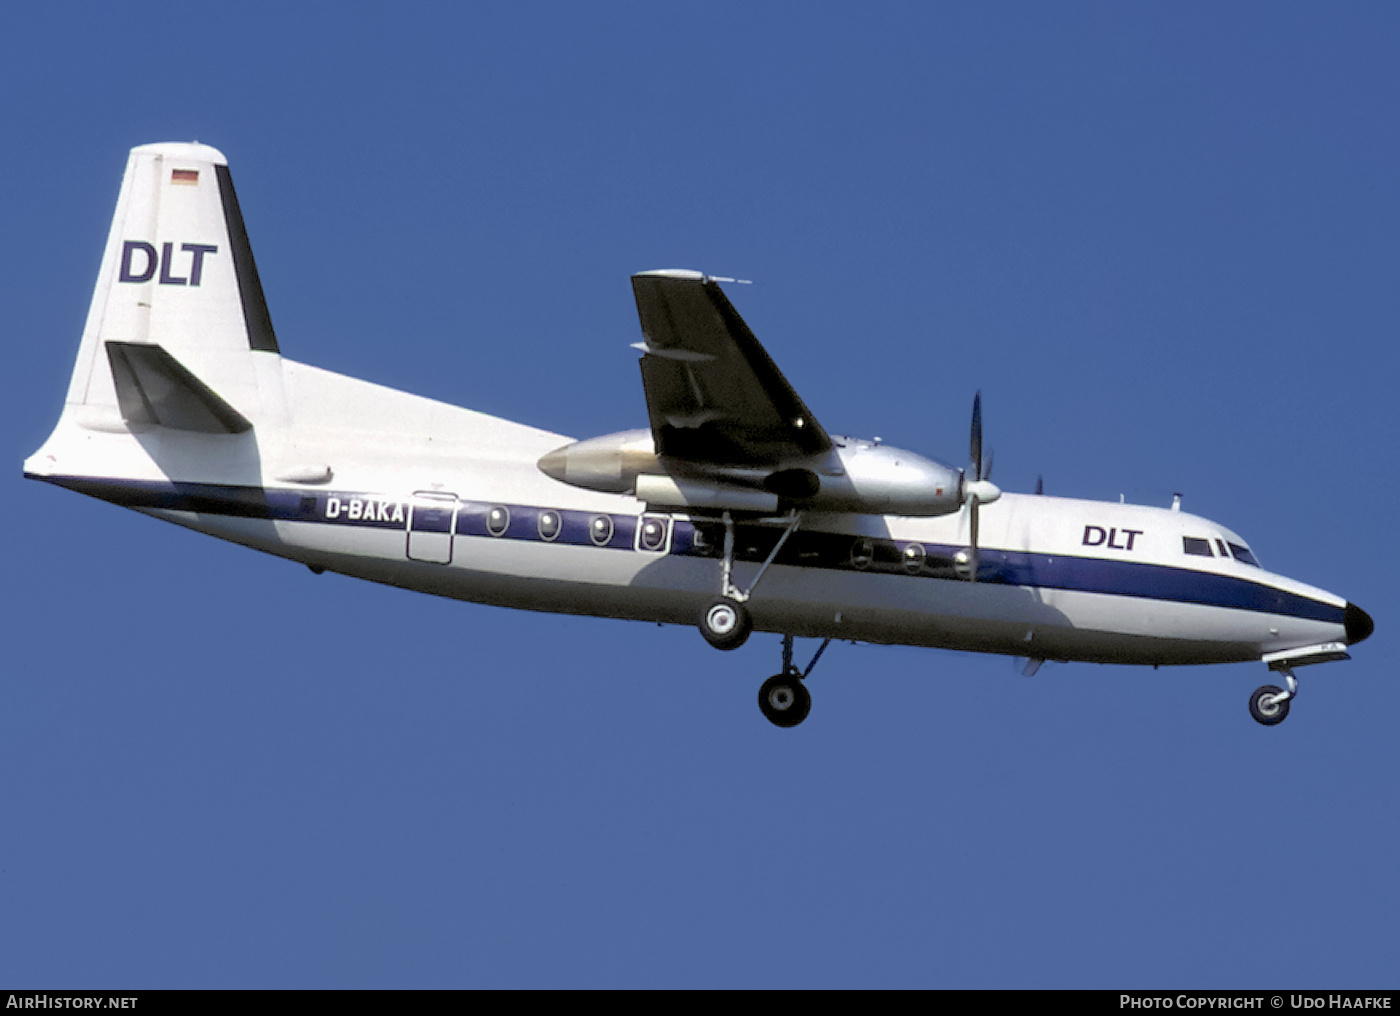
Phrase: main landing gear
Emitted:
{"points": [[784, 698], [1269, 704], [725, 622]]}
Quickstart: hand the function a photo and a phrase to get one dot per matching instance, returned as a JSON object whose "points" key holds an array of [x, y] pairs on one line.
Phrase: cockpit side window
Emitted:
{"points": [[1196, 545], [1220, 546], [1243, 554]]}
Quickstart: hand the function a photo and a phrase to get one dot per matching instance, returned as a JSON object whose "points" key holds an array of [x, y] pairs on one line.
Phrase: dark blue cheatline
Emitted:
{"points": [[703, 538]]}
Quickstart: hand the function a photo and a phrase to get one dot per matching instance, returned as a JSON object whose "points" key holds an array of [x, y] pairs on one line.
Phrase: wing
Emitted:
{"points": [[713, 394]]}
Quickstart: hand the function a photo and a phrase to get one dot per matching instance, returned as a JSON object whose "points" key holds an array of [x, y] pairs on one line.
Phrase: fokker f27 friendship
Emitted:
{"points": [[735, 510]]}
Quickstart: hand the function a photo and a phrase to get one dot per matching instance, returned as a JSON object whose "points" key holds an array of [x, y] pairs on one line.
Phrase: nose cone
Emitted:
{"points": [[1358, 624]]}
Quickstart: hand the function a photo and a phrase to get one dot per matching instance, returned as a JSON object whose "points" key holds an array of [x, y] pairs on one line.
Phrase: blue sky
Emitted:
{"points": [[1162, 239]]}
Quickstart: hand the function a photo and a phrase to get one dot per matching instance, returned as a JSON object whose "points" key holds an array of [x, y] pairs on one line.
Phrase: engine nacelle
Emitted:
{"points": [[668, 492], [854, 476], [879, 479], [610, 463]]}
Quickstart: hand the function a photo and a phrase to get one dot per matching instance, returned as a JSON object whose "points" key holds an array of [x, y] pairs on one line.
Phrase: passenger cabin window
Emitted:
{"points": [[600, 529], [1196, 545], [652, 533], [1243, 554]]}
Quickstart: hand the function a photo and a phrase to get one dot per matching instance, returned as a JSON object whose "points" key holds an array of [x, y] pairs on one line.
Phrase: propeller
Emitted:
{"points": [[979, 490]]}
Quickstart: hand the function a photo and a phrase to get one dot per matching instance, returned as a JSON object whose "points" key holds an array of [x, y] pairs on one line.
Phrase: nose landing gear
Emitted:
{"points": [[1269, 704]]}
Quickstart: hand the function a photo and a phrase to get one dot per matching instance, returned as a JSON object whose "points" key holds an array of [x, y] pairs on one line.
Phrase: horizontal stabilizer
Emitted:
{"points": [[155, 388]]}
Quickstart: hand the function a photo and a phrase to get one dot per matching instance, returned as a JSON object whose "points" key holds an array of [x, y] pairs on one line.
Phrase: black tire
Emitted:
{"points": [[1274, 712], [785, 700], [725, 623]]}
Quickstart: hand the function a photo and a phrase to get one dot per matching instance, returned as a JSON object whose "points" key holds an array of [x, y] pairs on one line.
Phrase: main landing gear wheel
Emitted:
{"points": [[1269, 705], [726, 623], [784, 699]]}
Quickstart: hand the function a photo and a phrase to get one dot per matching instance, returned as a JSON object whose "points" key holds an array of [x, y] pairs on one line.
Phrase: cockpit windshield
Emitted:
{"points": [[1200, 546], [1243, 554], [1196, 545]]}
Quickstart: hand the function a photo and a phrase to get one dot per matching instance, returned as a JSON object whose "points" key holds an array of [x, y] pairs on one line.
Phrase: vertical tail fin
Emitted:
{"points": [[177, 274]]}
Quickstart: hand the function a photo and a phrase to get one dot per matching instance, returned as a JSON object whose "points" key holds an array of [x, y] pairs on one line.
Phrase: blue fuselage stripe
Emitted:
{"points": [[701, 538]]}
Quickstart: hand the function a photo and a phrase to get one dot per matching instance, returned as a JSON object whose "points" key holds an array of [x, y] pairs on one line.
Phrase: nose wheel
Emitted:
{"points": [[1269, 704]]}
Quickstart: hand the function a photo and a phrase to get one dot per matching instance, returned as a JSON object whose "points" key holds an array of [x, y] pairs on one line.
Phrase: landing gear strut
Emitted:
{"points": [[725, 622], [784, 698], [1269, 704]]}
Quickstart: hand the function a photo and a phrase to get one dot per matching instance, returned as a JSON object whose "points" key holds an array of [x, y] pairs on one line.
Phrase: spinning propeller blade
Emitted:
{"points": [[976, 467], [980, 490]]}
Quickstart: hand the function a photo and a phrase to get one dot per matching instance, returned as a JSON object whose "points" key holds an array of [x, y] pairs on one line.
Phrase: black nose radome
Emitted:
{"points": [[1359, 624]]}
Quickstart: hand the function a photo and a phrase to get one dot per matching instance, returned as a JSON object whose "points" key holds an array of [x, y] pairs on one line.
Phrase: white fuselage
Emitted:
{"points": [[390, 487]]}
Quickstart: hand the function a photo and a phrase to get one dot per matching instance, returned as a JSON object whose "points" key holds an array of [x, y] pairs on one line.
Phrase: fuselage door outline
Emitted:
{"points": [[432, 519]]}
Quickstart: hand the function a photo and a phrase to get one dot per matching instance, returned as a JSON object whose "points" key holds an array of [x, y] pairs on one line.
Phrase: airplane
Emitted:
{"points": [[735, 510]]}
